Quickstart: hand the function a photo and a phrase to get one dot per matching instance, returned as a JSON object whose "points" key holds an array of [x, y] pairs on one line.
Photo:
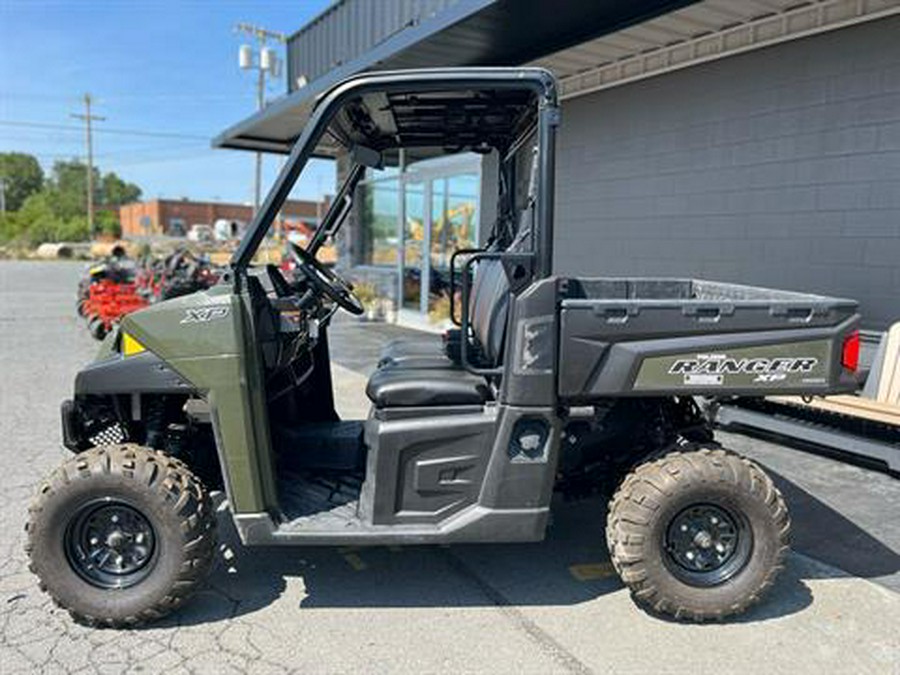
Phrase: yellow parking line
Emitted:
{"points": [[355, 561], [592, 571]]}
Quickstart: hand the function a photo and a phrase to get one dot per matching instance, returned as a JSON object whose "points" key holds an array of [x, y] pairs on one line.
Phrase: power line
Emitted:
{"points": [[105, 130]]}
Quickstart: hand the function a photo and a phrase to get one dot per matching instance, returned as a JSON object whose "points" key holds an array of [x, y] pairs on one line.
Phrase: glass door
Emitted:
{"points": [[413, 261], [454, 219], [439, 215]]}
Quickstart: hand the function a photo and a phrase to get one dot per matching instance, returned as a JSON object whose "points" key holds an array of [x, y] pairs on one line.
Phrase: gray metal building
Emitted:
{"points": [[755, 141]]}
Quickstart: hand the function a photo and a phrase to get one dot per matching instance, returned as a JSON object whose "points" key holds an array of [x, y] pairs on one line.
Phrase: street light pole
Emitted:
{"points": [[88, 118], [266, 64]]}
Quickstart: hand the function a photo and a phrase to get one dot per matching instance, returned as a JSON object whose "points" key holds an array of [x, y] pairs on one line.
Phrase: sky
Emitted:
{"points": [[165, 68]]}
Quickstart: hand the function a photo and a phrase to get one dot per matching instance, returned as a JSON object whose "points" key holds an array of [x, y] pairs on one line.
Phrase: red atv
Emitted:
{"points": [[107, 293]]}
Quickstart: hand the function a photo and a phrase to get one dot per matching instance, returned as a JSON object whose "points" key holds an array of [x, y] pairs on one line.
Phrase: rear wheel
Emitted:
{"points": [[121, 534], [699, 534]]}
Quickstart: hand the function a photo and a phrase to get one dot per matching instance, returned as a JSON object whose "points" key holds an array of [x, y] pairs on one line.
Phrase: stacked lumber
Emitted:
{"points": [[880, 399]]}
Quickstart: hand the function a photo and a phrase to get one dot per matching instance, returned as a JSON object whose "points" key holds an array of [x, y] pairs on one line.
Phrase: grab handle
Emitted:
{"points": [[616, 314], [708, 314]]}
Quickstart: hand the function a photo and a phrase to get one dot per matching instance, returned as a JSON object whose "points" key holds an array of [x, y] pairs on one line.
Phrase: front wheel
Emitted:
{"points": [[699, 534], [120, 535]]}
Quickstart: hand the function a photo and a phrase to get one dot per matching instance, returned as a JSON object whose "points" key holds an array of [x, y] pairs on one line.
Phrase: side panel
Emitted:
{"points": [[203, 338], [427, 469], [602, 356]]}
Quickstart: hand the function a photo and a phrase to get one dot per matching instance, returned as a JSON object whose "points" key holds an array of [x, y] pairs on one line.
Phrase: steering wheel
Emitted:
{"points": [[325, 281]]}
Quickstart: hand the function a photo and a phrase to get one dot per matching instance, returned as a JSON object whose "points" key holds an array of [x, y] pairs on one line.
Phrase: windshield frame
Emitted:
{"points": [[338, 210]]}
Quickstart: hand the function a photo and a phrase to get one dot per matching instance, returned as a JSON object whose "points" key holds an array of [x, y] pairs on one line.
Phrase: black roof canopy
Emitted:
{"points": [[474, 119], [467, 33]]}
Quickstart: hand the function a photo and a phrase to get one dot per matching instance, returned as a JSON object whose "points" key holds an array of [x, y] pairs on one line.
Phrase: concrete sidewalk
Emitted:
{"points": [[552, 607]]}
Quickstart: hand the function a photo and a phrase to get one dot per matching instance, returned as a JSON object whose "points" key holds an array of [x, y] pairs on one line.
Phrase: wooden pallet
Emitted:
{"points": [[854, 406], [880, 401], [888, 390]]}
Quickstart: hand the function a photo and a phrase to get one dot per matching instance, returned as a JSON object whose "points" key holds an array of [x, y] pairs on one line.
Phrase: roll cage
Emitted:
{"points": [[477, 109]]}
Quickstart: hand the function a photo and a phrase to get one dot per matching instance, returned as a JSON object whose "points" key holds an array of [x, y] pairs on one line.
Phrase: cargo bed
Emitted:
{"points": [[645, 336]]}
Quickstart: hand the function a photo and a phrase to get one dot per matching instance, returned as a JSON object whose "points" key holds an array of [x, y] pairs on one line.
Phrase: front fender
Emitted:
{"points": [[143, 373]]}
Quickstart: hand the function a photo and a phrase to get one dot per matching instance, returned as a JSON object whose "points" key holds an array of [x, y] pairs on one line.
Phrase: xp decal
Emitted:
{"points": [[205, 314]]}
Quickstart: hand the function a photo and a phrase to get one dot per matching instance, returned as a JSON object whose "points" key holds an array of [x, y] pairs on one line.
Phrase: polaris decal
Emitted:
{"points": [[205, 314], [769, 367]]}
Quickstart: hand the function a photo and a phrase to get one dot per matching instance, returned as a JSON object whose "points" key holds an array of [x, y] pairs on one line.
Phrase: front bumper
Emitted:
{"points": [[72, 425]]}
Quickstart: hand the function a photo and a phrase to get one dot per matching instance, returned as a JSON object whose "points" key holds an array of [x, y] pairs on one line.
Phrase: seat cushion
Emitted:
{"points": [[406, 387], [419, 346], [400, 350], [430, 361]]}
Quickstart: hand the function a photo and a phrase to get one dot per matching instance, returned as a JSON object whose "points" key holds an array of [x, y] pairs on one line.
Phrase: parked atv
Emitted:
{"points": [[107, 292], [551, 382], [183, 273]]}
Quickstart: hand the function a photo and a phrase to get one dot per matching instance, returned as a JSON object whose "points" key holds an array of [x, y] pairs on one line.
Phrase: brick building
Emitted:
{"points": [[174, 217]]}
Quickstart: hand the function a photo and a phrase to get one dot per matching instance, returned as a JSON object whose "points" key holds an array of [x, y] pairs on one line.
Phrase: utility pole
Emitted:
{"points": [[2, 195], [267, 64], [88, 118]]}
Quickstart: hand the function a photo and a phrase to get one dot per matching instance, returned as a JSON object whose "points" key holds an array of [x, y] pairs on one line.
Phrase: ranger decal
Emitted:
{"points": [[709, 370]]}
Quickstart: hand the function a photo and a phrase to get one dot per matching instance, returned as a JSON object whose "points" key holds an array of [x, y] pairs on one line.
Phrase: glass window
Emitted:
{"points": [[454, 218], [176, 227], [413, 244], [379, 214]]}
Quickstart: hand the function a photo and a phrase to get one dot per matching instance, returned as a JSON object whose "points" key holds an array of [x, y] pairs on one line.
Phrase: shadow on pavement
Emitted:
{"points": [[826, 535], [569, 568]]}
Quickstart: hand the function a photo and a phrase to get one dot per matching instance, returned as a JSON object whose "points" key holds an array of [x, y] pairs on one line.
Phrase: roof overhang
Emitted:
{"points": [[699, 33], [468, 33]]}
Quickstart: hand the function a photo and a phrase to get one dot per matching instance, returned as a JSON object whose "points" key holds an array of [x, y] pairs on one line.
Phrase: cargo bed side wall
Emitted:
{"points": [[600, 359]]}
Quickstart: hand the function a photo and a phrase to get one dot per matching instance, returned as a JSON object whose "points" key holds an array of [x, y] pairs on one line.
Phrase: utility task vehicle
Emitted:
{"points": [[551, 383]]}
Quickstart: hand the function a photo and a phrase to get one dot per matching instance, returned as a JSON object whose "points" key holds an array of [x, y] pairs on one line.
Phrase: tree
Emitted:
{"points": [[56, 209], [114, 191], [107, 222], [38, 219], [67, 188], [21, 175]]}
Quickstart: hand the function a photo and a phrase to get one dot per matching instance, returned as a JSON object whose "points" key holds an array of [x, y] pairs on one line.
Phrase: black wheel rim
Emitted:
{"points": [[110, 544], [707, 544]]}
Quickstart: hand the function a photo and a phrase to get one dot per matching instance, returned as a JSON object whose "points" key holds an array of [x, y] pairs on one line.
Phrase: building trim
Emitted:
{"points": [[747, 36]]}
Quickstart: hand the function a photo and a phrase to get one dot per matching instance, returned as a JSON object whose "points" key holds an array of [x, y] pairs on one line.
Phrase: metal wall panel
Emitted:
{"points": [[778, 167], [348, 29]]}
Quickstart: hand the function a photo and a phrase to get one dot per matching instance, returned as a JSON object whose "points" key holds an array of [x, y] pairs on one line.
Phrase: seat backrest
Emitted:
{"points": [[489, 293]]}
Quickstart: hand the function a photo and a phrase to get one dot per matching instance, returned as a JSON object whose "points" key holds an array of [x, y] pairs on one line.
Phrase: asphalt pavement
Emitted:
{"points": [[550, 607]]}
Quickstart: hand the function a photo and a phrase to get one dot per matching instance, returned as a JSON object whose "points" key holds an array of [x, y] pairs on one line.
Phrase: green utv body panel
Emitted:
{"points": [[207, 339]]}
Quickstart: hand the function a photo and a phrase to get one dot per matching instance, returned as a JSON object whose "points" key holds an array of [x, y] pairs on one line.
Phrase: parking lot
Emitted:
{"points": [[537, 608]]}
